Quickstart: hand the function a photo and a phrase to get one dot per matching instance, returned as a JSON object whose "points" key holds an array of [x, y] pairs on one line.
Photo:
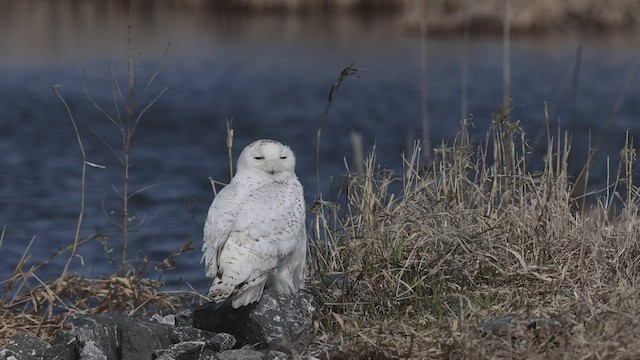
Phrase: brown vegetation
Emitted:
{"points": [[475, 236], [32, 306], [455, 15], [412, 263]]}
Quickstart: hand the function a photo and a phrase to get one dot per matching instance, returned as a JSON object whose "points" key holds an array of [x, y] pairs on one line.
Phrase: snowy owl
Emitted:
{"points": [[254, 235]]}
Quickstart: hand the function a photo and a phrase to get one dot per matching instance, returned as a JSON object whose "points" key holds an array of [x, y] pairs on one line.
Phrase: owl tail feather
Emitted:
{"points": [[220, 290], [249, 294], [215, 306]]}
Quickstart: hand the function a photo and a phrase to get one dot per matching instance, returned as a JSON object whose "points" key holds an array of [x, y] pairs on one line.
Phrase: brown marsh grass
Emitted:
{"points": [[409, 264], [33, 306], [476, 235]]}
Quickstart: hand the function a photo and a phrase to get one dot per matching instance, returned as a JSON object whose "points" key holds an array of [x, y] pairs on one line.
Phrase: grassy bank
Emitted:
{"points": [[474, 236], [411, 264]]}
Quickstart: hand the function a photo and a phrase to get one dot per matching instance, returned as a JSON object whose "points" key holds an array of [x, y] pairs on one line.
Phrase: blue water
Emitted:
{"points": [[271, 75]]}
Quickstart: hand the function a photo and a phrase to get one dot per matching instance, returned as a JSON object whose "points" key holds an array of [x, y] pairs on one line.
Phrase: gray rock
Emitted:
{"points": [[27, 347], [241, 354], [525, 331], [184, 318], [189, 350], [167, 319], [215, 342], [282, 319], [7, 355], [277, 355], [116, 337], [273, 321], [92, 351], [276, 321], [102, 341], [64, 346], [208, 354]]}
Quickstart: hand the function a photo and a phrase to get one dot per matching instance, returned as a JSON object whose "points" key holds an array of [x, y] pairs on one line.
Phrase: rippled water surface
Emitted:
{"points": [[271, 75]]}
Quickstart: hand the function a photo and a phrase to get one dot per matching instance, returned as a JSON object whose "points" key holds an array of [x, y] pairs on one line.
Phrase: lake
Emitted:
{"points": [[270, 75]]}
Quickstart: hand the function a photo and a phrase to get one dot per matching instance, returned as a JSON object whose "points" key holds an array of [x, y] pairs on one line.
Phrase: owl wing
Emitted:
{"points": [[290, 275], [218, 225]]}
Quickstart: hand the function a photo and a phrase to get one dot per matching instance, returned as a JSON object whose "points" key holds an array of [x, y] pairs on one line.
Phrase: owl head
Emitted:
{"points": [[268, 157]]}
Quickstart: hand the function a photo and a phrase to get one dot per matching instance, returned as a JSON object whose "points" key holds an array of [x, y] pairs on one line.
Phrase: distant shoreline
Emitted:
{"points": [[453, 16]]}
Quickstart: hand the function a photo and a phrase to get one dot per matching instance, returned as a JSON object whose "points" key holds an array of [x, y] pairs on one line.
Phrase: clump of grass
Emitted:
{"points": [[475, 235], [34, 306]]}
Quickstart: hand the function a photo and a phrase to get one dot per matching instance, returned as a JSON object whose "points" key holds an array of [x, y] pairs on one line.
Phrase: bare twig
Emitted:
{"points": [[85, 162], [424, 84]]}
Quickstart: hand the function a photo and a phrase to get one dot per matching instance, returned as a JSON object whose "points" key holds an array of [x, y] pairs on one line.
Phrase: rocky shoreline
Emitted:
{"points": [[273, 328]]}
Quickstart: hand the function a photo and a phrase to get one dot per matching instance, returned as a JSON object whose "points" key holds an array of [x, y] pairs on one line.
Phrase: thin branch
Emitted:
{"points": [[424, 84], [76, 238], [95, 104], [117, 93], [146, 109], [144, 188], [154, 75], [4, 228], [187, 203]]}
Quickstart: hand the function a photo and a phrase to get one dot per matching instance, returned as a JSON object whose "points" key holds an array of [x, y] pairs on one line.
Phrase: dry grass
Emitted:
{"points": [[411, 273], [30, 305], [408, 265]]}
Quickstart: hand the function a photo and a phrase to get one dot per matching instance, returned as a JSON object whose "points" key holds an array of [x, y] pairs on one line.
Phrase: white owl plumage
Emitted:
{"points": [[254, 235]]}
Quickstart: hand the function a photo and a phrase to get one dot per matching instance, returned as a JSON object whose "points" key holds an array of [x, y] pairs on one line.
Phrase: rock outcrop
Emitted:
{"points": [[269, 329], [277, 321]]}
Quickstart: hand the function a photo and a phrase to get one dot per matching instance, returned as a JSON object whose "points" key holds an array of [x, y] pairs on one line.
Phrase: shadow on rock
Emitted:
{"points": [[277, 321]]}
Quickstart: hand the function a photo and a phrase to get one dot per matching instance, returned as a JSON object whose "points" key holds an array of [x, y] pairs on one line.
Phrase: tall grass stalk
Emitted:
{"points": [[85, 162], [424, 82], [577, 65], [358, 151], [346, 73], [464, 79], [580, 182]]}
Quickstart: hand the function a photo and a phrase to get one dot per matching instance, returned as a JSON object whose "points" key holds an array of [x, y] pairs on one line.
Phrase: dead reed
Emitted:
{"points": [[474, 235], [33, 306]]}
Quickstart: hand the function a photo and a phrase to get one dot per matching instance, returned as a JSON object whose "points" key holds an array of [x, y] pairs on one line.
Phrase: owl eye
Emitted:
{"points": [[283, 157], [259, 157]]}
